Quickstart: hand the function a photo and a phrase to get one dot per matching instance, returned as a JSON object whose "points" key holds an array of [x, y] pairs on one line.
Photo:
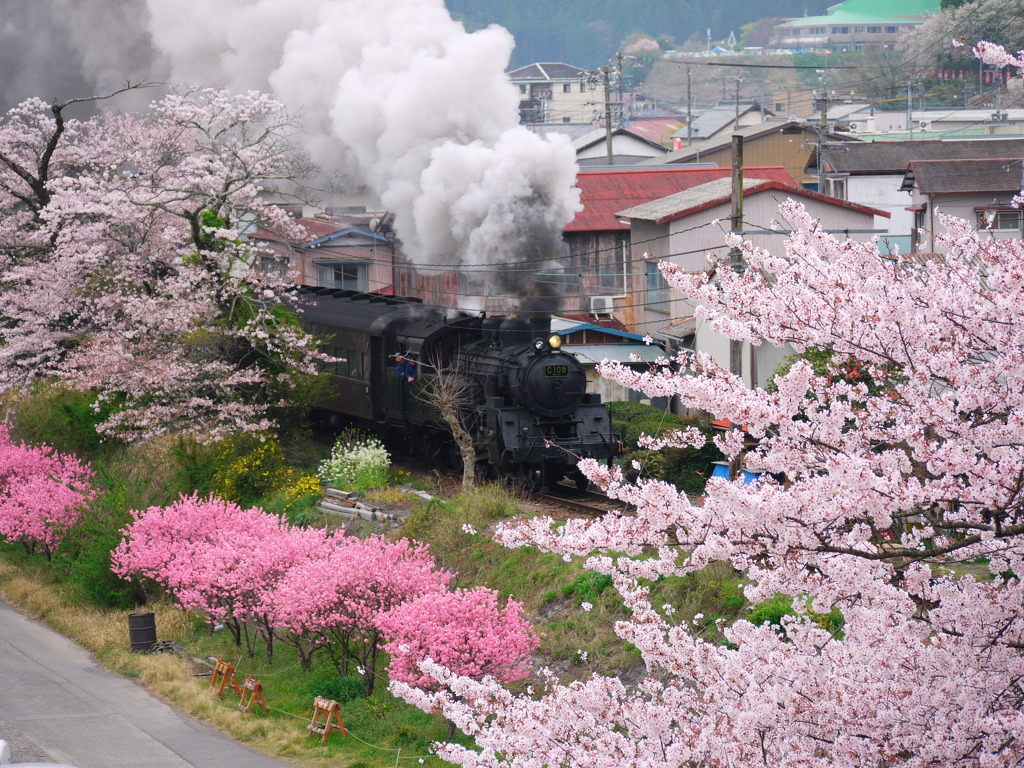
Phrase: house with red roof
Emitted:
{"points": [[602, 249], [687, 228]]}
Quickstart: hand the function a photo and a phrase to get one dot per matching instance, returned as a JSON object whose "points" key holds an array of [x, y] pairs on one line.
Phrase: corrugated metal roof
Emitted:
{"points": [[718, 191], [622, 353], [658, 130], [605, 192], [720, 116]]}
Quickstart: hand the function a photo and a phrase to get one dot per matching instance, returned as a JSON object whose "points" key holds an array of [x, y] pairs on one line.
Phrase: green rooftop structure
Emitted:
{"points": [[854, 25]]}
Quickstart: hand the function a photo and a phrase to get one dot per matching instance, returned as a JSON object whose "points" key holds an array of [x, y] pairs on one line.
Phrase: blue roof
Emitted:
{"points": [[348, 231]]}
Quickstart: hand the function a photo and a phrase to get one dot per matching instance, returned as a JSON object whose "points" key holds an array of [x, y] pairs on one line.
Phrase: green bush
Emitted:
{"points": [[339, 689], [297, 500], [84, 554], [63, 418], [686, 468], [772, 611]]}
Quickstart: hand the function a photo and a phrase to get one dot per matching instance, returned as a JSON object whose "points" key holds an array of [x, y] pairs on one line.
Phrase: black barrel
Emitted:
{"points": [[142, 630]]}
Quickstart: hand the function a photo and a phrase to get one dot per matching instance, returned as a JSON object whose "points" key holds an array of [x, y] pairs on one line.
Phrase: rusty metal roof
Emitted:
{"points": [[606, 192]]}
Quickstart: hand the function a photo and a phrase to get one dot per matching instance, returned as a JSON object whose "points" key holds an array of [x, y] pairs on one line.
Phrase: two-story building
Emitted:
{"points": [[855, 25], [554, 92], [601, 245], [980, 191], [357, 254], [687, 229]]}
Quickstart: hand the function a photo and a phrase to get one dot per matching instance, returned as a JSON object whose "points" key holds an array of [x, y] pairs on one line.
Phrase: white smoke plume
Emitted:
{"points": [[419, 108], [394, 92]]}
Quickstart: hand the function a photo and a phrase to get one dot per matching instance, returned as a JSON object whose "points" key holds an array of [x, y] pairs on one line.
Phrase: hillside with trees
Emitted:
{"points": [[588, 33]]}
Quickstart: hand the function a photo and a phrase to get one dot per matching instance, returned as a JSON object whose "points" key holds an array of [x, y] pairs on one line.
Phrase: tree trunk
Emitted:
{"points": [[465, 442]]}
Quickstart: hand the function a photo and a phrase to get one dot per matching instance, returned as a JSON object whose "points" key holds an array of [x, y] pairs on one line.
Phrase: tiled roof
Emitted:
{"points": [[607, 191], [936, 177], [894, 156], [715, 192], [544, 71]]}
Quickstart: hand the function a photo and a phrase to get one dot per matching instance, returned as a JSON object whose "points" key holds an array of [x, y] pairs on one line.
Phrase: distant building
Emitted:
{"points": [[854, 25], [626, 148], [774, 142], [553, 92], [978, 190], [723, 119]]}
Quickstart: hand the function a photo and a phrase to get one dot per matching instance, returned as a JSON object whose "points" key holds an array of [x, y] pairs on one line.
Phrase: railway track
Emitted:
{"points": [[591, 503]]}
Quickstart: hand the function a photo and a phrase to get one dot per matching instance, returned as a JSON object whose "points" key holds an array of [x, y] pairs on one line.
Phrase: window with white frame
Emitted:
{"points": [[347, 275], [270, 264], [657, 288], [835, 186], [1001, 219]]}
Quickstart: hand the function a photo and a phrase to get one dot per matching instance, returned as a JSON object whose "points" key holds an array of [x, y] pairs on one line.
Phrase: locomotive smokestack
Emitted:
{"points": [[515, 332]]}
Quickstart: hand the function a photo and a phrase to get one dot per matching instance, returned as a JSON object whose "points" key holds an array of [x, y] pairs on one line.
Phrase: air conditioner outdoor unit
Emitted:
{"points": [[601, 305]]}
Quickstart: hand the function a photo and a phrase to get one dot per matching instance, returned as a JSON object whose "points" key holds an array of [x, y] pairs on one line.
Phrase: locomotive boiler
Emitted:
{"points": [[524, 400]]}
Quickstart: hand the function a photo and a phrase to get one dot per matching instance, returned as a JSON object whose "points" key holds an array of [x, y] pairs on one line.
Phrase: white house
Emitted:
{"points": [[687, 229]]}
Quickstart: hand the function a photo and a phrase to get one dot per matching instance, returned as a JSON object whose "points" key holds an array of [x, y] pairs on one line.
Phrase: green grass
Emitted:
{"points": [[574, 609]]}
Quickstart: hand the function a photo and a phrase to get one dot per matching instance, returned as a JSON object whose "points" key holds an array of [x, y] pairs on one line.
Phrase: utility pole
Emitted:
{"points": [[910, 111], [618, 57], [608, 113], [736, 119], [736, 225], [591, 79], [689, 109]]}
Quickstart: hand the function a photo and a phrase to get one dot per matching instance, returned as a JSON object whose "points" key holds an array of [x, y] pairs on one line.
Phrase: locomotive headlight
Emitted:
{"points": [[555, 341], [539, 345]]}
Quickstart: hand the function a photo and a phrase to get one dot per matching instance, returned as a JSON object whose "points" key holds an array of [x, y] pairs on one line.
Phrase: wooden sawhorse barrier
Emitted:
{"points": [[254, 690], [225, 674], [329, 710]]}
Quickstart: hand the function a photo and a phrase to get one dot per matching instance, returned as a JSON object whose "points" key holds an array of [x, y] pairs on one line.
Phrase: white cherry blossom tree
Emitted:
{"points": [[899, 506], [122, 269]]}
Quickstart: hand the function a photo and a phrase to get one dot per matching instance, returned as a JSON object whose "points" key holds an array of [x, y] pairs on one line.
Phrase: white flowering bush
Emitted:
{"points": [[357, 463]]}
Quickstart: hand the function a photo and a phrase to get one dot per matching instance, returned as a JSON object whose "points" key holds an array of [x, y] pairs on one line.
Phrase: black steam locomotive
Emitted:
{"points": [[527, 410]]}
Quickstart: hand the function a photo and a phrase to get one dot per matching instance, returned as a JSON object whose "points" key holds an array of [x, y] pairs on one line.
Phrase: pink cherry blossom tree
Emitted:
{"points": [[151, 297], [466, 631], [902, 508], [335, 603], [42, 494], [216, 557]]}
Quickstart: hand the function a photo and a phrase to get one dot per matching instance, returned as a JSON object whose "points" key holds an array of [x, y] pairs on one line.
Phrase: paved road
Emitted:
{"points": [[58, 705]]}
